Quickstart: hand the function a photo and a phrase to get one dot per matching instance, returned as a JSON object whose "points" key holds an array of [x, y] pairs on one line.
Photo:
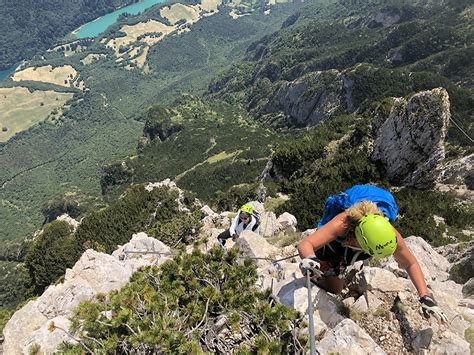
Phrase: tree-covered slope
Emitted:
{"points": [[67, 156], [30, 27], [350, 55], [206, 146]]}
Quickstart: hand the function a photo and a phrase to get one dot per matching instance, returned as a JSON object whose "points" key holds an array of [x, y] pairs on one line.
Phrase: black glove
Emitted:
{"points": [[312, 266], [431, 309]]}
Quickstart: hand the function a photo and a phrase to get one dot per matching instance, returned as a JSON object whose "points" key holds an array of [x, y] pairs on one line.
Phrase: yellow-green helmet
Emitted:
{"points": [[376, 236], [247, 208]]}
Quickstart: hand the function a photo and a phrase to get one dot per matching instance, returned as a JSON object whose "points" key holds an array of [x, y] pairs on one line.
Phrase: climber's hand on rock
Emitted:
{"points": [[312, 266], [431, 309]]}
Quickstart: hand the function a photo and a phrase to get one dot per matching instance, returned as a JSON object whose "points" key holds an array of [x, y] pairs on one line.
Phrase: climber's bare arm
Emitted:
{"points": [[326, 234], [408, 261]]}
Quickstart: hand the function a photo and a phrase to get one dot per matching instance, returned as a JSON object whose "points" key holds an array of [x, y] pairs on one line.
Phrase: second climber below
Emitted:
{"points": [[246, 220], [356, 226]]}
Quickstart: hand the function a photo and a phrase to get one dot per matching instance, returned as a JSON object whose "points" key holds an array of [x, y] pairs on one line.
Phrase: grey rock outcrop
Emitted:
{"points": [[461, 257], [468, 288], [310, 99], [94, 273], [434, 265], [172, 186], [288, 222], [255, 246], [71, 221], [348, 338], [409, 143], [459, 172]]}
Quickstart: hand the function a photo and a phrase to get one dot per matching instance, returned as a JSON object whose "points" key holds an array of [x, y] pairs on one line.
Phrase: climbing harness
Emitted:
{"points": [[310, 315]]}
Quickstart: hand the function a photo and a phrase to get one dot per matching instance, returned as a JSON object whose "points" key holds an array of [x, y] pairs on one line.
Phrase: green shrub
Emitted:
{"points": [[5, 315], [179, 228], [417, 208], [170, 309], [235, 197], [15, 284], [51, 253]]}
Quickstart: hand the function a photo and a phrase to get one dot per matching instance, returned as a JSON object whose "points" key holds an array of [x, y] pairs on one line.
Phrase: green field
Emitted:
{"points": [[20, 109]]}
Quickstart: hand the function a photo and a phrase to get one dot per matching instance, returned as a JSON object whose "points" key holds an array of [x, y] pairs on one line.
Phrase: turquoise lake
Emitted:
{"points": [[4, 74], [99, 25]]}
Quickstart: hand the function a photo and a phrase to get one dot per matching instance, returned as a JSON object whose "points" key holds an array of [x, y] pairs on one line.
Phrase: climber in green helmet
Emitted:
{"points": [[356, 226], [247, 219]]}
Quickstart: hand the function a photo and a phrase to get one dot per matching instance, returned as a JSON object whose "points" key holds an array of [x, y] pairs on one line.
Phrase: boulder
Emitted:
{"points": [[463, 270], [372, 278], [71, 221], [450, 344], [269, 225], [360, 305], [20, 326], [102, 272], [288, 222], [448, 294], [142, 250], [422, 340], [293, 293], [207, 211], [255, 246], [409, 143], [348, 338], [373, 302]]}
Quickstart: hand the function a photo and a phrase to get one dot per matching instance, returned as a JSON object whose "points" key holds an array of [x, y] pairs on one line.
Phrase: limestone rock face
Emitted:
{"points": [[269, 225], [288, 222], [409, 143], [172, 186], [468, 288], [348, 338], [434, 265], [255, 246], [293, 293], [372, 278], [72, 222], [94, 273], [207, 211], [309, 99], [131, 252], [459, 172]]}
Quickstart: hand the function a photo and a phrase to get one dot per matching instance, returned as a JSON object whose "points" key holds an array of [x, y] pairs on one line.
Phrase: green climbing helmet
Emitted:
{"points": [[247, 208], [376, 236]]}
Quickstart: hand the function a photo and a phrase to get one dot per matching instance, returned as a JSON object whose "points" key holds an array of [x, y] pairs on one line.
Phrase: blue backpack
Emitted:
{"points": [[336, 204]]}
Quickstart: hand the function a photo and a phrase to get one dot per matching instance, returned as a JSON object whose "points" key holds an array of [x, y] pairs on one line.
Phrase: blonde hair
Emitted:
{"points": [[360, 209]]}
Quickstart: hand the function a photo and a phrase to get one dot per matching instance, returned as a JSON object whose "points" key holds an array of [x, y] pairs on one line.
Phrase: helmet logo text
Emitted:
{"points": [[382, 246]]}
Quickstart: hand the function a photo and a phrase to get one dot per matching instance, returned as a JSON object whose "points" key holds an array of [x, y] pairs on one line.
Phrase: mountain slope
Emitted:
{"points": [[366, 52], [30, 27], [66, 155]]}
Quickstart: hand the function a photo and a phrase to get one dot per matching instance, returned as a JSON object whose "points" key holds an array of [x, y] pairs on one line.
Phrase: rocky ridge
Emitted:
{"points": [[377, 313]]}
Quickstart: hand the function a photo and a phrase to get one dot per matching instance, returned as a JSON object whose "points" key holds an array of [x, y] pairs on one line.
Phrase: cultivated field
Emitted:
{"points": [[21, 109], [91, 57], [177, 12], [135, 31], [63, 76]]}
